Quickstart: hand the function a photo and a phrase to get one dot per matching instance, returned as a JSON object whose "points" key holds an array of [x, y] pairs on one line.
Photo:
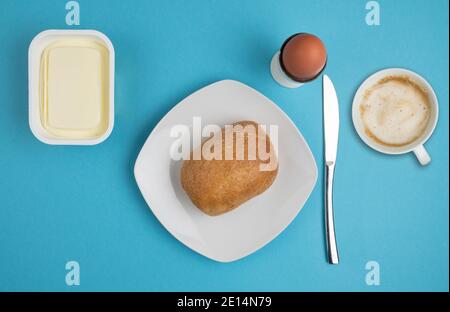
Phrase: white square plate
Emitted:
{"points": [[249, 227]]}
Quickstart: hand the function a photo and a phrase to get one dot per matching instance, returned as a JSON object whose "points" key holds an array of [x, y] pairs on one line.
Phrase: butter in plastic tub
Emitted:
{"points": [[71, 87]]}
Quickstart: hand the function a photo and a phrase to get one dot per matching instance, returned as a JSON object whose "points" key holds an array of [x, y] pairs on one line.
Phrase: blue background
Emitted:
{"points": [[82, 203]]}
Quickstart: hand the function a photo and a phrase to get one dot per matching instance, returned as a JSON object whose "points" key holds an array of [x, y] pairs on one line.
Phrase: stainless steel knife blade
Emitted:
{"points": [[330, 120]]}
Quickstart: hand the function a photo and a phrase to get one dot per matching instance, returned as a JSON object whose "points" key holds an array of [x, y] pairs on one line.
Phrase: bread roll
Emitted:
{"points": [[219, 185]]}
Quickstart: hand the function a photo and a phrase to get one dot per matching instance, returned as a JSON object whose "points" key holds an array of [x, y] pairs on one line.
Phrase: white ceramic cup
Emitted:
{"points": [[415, 146]]}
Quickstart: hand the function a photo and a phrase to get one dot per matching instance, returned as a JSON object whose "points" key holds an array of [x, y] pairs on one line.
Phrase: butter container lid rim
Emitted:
{"points": [[35, 50]]}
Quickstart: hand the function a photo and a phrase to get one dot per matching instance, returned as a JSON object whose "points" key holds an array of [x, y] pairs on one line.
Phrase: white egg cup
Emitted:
{"points": [[279, 75]]}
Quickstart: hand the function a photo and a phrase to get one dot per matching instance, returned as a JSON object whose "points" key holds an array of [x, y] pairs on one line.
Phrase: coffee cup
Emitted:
{"points": [[395, 111]]}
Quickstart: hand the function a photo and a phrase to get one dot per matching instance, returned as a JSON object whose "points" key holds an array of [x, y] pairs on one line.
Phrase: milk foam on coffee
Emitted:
{"points": [[395, 111]]}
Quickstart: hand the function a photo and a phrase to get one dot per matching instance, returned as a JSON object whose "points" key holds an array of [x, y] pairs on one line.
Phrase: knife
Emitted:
{"points": [[331, 133]]}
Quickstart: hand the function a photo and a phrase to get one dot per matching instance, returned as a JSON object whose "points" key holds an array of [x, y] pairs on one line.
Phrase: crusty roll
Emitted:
{"points": [[236, 174]]}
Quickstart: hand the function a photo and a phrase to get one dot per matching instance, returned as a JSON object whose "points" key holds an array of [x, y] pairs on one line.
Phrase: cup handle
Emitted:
{"points": [[422, 155]]}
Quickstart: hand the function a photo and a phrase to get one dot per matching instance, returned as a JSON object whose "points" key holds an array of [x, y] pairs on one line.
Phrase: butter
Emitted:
{"points": [[74, 86], [71, 87]]}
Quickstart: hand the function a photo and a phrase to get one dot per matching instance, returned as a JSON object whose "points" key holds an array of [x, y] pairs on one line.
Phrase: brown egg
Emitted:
{"points": [[303, 57]]}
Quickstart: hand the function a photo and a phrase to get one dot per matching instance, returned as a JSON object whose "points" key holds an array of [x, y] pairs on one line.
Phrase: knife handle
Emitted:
{"points": [[332, 252]]}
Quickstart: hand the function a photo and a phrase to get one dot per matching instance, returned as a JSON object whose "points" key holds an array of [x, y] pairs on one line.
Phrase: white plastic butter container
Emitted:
{"points": [[71, 87]]}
